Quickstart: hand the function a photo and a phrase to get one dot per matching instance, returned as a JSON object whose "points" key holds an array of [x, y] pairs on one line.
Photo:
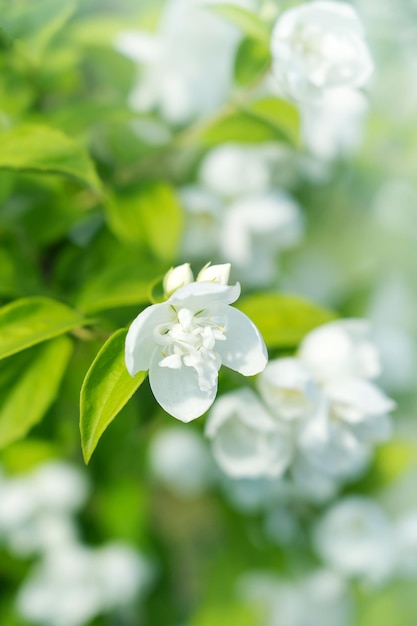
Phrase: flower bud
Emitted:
{"points": [[215, 274], [177, 277]]}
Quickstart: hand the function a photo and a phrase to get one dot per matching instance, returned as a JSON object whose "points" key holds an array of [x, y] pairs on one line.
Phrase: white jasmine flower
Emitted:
{"points": [[184, 341], [342, 348], [317, 47], [356, 539], [246, 441], [203, 222]]}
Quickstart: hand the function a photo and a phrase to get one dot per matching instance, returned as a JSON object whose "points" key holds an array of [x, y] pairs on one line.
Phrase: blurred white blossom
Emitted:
{"points": [[317, 47], [74, 584], [321, 597], [314, 420], [356, 539], [184, 341], [180, 460], [187, 66]]}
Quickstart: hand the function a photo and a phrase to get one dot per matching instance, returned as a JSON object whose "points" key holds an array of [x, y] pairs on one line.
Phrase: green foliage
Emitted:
{"points": [[28, 321], [106, 389], [46, 150], [252, 60], [29, 382], [269, 119], [283, 319], [149, 213]]}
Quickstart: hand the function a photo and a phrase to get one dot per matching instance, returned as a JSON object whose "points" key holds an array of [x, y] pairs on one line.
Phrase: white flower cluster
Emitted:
{"points": [[69, 583], [237, 212], [320, 59], [317, 416]]}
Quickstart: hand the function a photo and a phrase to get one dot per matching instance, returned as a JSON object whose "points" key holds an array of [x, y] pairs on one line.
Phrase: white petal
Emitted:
{"points": [[178, 391], [246, 441], [244, 349], [177, 277], [140, 342], [215, 274], [361, 395], [197, 296]]}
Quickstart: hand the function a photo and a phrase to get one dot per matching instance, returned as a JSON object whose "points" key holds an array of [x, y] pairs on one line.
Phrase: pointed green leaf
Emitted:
{"points": [[46, 150], [28, 321], [107, 387], [29, 382], [283, 320], [252, 60]]}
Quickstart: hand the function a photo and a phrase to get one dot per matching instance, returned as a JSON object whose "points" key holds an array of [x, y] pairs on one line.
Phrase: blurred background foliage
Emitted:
{"points": [[91, 215]]}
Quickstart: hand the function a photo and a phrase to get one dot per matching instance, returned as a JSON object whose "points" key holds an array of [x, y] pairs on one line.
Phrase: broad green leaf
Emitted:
{"points": [[252, 60], [279, 113], [150, 213], [268, 119], [227, 614], [106, 389], [32, 380], [25, 455], [45, 150], [6, 42], [393, 459], [112, 289], [28, 321], [247, 21], [283, 320]]}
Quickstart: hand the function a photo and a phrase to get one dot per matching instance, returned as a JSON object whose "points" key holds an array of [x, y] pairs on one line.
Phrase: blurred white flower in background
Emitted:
{"points": [[333, 127], [184, 341], [356, 539], [180, 460], [317, 47], [74, 584], [321, 597], [238, 213], [317, 415], [36, 509], [187, 66]]}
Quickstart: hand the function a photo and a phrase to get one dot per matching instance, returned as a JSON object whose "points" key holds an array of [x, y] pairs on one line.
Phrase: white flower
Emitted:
{"points": [[246, 441], [406, 540], [319, 46], [184, 341], [342, 348], [356, 539]]}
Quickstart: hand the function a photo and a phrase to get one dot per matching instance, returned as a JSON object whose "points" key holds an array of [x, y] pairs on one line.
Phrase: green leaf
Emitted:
{"points": [[393, 605], [106, 389], [283, 320], [252, 60], [247, 21], [269, 119], [28, 321], [45, 150], [151, 213], [30, 382], [280, 114]]}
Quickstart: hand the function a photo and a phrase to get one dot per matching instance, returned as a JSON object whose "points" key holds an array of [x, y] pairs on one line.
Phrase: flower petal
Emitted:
{"points": [[178, 391], [140, 342], [244, 349], [197, 296]]}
